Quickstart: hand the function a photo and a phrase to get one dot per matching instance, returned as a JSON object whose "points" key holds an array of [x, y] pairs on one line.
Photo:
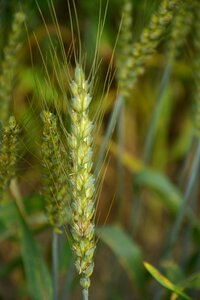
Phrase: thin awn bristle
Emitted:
{"points": [[9, 65], [55, 183], [82, 183], [8, 153]]}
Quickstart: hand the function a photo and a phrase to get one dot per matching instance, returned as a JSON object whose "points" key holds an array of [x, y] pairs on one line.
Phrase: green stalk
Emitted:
{"points": [[120, 168], [55, 264], [85, 295], [181, 214], [151, 135], [109, 131]]}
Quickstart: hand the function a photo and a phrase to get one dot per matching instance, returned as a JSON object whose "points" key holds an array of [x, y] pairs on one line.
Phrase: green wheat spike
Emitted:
{"points": [[8, 153], [9, 64], [146, 46], [55, 181], [82, 183]]}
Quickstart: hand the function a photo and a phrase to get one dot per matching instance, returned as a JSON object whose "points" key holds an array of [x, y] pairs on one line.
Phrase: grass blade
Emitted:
{"points": [[37, 274], [127, 252], [165, 282]]}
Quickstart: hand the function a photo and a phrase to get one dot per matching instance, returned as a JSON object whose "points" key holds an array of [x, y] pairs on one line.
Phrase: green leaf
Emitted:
{"points": [[191, 282], [165, 282], [37, 274], [159, 183], [127, 252]]}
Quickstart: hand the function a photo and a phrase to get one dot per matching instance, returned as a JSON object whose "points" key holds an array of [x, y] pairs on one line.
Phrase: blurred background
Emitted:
{"points": [[141, 188]]}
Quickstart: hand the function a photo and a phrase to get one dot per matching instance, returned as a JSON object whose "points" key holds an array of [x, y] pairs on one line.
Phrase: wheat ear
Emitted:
{"points": [[55, 183], [125, 37], [8, 153], [82, 183], [145, 47], [181, 27], [9, 65]]}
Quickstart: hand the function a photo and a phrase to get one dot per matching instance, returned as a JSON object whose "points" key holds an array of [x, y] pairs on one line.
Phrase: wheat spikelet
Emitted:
{"points": [[81, 180], [9, 64], [145, 47], [180, 28], [55, 184], [125, 38], [8, 153]]}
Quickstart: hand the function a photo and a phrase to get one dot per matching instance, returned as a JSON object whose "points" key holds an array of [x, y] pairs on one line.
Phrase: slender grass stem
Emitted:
{"points": [[185, 163], [68, 280], [85, 295], [188, 232], [157, 114], [120, 169], [55, 264], [189, 188], [135, 210], [111, 126]]}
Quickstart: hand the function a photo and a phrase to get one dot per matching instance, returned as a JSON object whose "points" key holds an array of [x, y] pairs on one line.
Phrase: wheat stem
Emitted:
{"points": [[85, 295], [55, 264]]}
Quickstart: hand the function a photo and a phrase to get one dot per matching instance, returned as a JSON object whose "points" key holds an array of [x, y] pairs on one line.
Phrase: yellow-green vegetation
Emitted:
{"points": [[82, 183], [8, 153], [8, 65], [196, 70], [55, 179], [100, 192], [181, 26], [146, 46]]}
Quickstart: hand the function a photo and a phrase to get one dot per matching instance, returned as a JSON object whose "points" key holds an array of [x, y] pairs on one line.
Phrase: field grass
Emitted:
{"points": [[99, 149]]}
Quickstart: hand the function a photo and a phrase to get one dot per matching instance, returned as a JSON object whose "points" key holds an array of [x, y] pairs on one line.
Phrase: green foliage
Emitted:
{"points": [[142, 153], [165, 282], [38, 277], [128, 254]]}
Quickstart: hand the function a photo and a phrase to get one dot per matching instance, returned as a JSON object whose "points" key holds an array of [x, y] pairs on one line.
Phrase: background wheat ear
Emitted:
{"points": [[8, 153], [181, 26], [8, 66], [55, 183], [82, 183], [143, 49]]}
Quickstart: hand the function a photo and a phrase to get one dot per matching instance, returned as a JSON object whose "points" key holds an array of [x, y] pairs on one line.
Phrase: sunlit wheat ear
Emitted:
{"points": [[181, 27], [9, 64], [125, 37], [82, 183], [145, 47], [55, 183], [8, 153], [196, 115]]}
